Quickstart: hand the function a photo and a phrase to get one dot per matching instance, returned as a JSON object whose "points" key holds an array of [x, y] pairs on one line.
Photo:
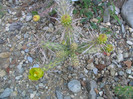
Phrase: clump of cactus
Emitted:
{"points": [[68, 47], [124, 92]]}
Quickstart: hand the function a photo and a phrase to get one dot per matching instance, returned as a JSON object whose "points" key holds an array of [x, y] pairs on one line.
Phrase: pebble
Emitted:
{"points": [[2, 41], [32, 95], [30, 59], [35, 65], [18, 77], [131, 83], [120, 57], [129, 43], [130, 76], [95, 70], [74, 86], [128, 71], [67, 97], [15, 26], [125, 55], [26, 35], [59, 95], [121, 73], [2, 73], [28, 17], [90, 66], [112, 72], [101, 93], [6, 93]]}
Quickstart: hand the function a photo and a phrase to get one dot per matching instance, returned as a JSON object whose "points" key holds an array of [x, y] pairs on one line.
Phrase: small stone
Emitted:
{"points": [[30, 59], [125, 55], [129, 43], [131, 83], [28, 17], [95, 70], [26, 35], [32, 95], [5, 55], [6, 93], [112, 72], [90, 66], [121, 73], [120, 57], [59, 94], [130, 76], [26, 50], [128, 71], [35, 65], [122, 28], [2, 41], [14, 93], [15, 26], [2, 73], [101, 93], [74, 86], [67, 97], [18, 77]]}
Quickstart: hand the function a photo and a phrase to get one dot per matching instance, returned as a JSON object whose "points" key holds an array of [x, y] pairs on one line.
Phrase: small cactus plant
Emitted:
{"points": [[124, 92], [102, 38], [109, 48], [66, 20]]}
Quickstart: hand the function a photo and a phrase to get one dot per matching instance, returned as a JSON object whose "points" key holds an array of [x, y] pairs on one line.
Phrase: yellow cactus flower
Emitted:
{"points": [[35, 73], [109, 48], [102, 38], [66, 20], [36, 18]]}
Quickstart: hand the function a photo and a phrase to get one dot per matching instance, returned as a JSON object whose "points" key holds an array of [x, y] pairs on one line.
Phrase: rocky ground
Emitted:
{"points": [[96, 76]]}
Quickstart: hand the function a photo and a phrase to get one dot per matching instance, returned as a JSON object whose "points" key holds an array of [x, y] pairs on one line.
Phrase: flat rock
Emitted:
{"points": [[6, 93], [74, 86], [15, 26], [127, 12]]}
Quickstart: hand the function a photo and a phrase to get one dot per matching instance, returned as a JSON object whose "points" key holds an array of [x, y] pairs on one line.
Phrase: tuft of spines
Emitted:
{"points": [[102, 38]]}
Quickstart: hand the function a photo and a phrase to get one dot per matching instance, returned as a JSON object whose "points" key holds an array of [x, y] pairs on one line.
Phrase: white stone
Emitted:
{"points": [[2, 73], [32, 95], [120, 57], [129, 42]]}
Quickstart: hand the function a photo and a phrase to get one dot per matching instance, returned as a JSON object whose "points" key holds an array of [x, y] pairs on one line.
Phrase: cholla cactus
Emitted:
{"points": [[109, 48], [74, 46], [66, 20], [61, 54], [102, 38], [74, 60], [125, 92]]}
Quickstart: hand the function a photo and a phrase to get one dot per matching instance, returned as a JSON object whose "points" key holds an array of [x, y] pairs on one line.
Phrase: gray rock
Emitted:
{"points": [[129, 43], [112, 72], [28, 17], [120, 57], [90, 86], [106, 17], [48, 97], [26, 35], [74, 86], [67, 97], [15, 26], [121, 73], [131, 83], [127, 12], [95, 70], [128, 71], [2, 41], [59, 94], [6, 93], [30, 59], [122, 28]]}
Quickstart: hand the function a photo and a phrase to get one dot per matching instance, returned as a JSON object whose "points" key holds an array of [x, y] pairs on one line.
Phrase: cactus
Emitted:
{"points": [[109, 48], [66, 20], [124, 92], [102, 38]]}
